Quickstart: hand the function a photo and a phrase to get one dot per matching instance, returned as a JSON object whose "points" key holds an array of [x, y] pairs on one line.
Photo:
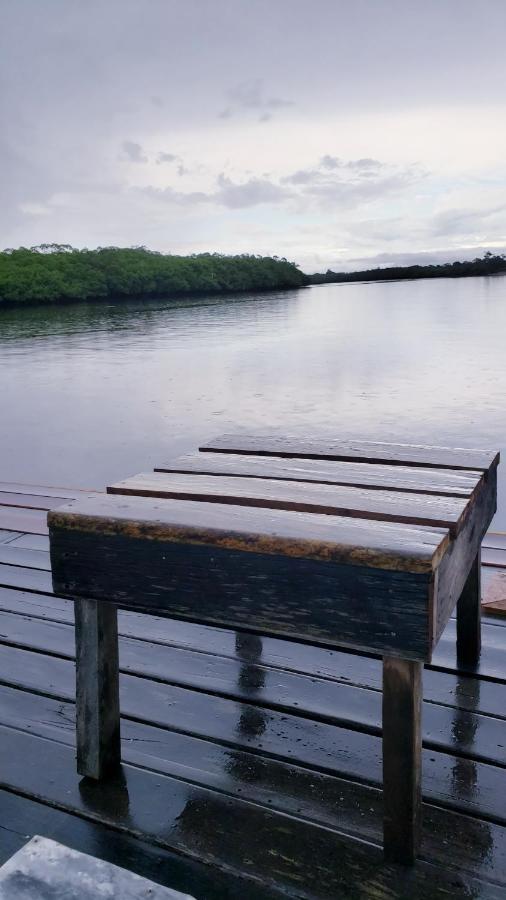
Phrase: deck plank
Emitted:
{"points": [[264, 654], [479, 736], [23, 817], [7, 535], [31, 521], [226, 831], [31, 501]]}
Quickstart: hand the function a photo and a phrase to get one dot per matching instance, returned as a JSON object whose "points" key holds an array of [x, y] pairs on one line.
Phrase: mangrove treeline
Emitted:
{"points": [[486, 265], [55, 273]]}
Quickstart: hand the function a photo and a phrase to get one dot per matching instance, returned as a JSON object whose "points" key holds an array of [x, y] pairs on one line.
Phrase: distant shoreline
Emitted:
{"points": [[486, 265]]}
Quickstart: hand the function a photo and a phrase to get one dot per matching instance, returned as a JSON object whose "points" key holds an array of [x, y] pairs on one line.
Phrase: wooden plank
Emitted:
{"points": [[45, 868], [23, 520], [31, 559], [462, 552], [443, 482], [293, 534], [282, 785], [44, 490], [359, 451], [494, 595], [31, 542], [97, 689], [298, 715], [32, 501], [7, 536], [493, 557], [387, 506], [402, 759], [496, 540], [304, 599], [31, 579], [287, 853], [28, 817]]}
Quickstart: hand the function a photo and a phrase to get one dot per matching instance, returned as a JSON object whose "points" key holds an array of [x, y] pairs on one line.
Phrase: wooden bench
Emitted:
{"points": [[343, 544]]}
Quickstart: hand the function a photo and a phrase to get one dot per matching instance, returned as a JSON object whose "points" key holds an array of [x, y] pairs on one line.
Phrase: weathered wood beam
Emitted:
{"points": [[97, 688], [402, 759]]}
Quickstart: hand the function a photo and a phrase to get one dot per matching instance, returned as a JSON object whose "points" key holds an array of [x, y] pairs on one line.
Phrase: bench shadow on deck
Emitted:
{"points": [[252, 765]]}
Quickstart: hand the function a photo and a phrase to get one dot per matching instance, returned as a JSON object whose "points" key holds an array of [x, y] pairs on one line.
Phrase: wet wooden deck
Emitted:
{"points": [[252, 765]]}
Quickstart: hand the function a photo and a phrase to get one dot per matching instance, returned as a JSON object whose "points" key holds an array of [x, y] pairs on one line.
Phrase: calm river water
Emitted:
{"points": [[92, 393]]}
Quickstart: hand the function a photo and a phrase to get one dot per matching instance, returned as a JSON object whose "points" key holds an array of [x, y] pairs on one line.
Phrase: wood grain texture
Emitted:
{"points": [[299, 598], [354, 502], [97, 689], [359, 451], [442, 482], [23, 520], [402, 759], [295, 535], [31, 501], [457, 562], [29, 541], [7, 536], [17, 556], [284, 852]]}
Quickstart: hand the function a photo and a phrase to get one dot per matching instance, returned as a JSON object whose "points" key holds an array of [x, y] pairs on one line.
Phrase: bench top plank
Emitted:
{"points": [[354, 541], [443, 482], [414, 509], [359, 451]]}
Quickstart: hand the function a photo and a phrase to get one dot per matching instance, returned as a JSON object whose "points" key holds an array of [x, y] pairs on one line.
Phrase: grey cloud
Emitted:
{"points": [[330, 162], [249, 193], [133, 152], [166, 158], [364, 163], [302, 176], [251, 95], [234, 195], [467, 221]]}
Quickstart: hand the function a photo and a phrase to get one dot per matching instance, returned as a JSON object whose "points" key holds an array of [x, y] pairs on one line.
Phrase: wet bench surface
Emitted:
{"points": [[340, 544]]}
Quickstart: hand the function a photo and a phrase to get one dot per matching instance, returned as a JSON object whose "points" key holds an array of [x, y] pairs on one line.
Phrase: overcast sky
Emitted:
{"points": [[333, 132]]}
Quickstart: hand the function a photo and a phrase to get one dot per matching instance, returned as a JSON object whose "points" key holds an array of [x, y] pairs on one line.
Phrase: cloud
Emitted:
{"points": [[341, 189], [251, 95], [467, 222], [343, 183], [330, 162], [166, 158], [133, 152], [249, 193]]}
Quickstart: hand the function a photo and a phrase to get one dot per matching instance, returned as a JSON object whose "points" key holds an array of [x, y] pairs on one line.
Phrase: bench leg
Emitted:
{"points": [[469, 617], [97, 688], [402, 759]]}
